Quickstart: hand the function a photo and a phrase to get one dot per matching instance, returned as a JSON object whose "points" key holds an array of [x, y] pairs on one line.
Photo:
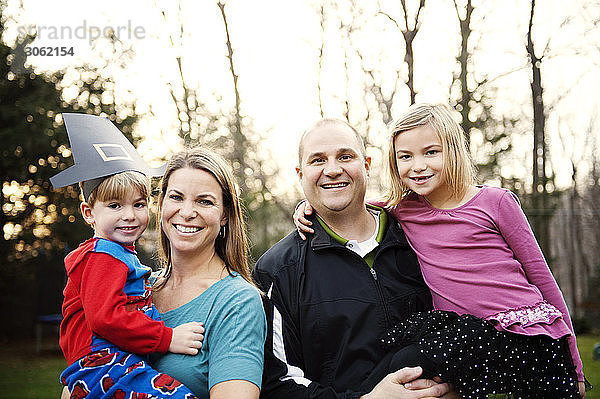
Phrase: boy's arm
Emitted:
{"points": [[106, 309]]}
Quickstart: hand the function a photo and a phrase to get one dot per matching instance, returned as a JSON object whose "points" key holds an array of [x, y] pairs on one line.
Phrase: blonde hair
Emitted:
{"points": [[232, 246], [330, 122], [118, 186], [458, 171]]}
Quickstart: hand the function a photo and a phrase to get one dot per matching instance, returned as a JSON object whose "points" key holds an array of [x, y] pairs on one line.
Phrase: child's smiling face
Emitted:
{"points": [[120, 220], [420, 162]]}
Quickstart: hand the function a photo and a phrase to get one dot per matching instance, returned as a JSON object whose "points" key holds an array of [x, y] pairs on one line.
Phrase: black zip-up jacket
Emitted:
{"points": [[327, 311]]}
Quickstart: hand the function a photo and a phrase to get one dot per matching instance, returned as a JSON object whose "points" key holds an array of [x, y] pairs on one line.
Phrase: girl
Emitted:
{"points": [[501, 324]]}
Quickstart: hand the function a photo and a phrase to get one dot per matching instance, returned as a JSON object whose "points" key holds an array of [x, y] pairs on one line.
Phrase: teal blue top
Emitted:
{"points": [[235, 329]]}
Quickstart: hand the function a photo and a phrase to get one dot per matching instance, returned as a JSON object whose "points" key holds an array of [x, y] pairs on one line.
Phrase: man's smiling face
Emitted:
{"points": [[333, 170]]}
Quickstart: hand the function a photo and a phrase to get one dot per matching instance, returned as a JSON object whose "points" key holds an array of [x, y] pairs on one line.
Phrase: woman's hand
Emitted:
{"points": [[187, 338], [301, 222], [581, 385]]}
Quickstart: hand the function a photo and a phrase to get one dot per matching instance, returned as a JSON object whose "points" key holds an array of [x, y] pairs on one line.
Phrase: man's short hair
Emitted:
{"points": [[329, 122]]}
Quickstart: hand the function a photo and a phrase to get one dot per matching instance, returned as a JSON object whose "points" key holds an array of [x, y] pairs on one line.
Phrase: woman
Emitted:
{"points": [[206, 278]]}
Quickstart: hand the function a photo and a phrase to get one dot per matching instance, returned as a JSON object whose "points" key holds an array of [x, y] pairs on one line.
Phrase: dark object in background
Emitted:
{"points": [[596, 352], [49, 282]]}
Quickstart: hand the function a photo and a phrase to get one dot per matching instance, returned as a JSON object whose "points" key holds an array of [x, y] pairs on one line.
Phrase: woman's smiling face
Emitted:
{"points": [[192, 211]]}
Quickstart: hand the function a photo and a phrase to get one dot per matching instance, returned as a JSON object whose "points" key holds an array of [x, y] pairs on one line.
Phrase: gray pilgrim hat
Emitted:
{"points": [[99, 150]]}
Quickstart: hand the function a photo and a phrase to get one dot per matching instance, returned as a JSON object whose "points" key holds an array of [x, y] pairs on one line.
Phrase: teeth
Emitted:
{"points": [[336, 185], [127, 228], [421, 178], [185, 229]]}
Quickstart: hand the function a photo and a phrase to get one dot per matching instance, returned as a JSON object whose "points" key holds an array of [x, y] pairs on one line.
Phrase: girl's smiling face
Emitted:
{"points": [[420, 162]]}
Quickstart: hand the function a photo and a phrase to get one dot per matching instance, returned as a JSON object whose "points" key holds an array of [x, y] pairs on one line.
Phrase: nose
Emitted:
{"points": [[186, 210], [332, 169], [419, 164], [128, 213]]}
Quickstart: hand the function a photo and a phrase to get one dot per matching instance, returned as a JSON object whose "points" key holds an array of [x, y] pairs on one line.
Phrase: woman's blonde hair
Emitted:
{"points": [[232, 245], [458, 171], [117, 186]]}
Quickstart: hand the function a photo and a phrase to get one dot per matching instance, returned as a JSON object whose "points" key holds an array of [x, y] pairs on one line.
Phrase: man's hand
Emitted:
{"points": [[403, 384], [187, 338]]}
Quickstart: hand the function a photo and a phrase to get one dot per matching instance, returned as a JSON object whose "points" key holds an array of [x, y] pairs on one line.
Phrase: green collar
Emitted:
{"points": [[382, 226]]}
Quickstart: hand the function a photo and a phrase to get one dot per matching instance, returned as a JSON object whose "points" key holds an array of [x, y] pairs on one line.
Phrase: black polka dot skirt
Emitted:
{"points": [[480, 360]]}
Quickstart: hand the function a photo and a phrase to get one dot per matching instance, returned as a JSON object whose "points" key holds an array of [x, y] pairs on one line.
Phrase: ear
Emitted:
{"points": [[87, 213], [368, 165], [224, 218], [299, 172]]}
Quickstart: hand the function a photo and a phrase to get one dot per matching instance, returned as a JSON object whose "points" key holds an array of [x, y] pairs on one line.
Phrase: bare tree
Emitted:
{"points": [[374, 79], [576, 221], [409, 29], [230, 133], [567, 226], [240, 144], [475, 101], [195, 124], [540, 200], [464, 102]]}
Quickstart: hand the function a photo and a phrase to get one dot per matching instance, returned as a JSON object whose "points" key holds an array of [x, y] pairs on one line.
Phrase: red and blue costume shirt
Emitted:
{"points": [[108, 303]]}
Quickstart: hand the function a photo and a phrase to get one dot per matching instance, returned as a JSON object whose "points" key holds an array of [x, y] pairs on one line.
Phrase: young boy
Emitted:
{"points": [[109, 323]]}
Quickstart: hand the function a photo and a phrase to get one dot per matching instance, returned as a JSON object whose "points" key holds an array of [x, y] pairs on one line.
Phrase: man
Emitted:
{"points": [[330, 299]]}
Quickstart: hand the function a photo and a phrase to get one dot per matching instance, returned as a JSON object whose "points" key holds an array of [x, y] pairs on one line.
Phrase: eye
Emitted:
{"points": [[432, 152], [316, 161], [175, 197], [403, 157], [346, 157], [205, 202], [140, 204]]}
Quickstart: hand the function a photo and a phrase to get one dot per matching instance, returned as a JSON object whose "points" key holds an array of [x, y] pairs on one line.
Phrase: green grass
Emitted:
{"points": [[591, 367], [23, 374]]}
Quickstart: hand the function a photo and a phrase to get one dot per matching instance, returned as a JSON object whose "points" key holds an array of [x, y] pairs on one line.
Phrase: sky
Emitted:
{"points": [[276, 48]]}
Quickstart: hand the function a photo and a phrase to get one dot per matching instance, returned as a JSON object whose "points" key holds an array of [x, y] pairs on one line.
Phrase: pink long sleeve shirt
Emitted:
{"points": [[482, 258]]}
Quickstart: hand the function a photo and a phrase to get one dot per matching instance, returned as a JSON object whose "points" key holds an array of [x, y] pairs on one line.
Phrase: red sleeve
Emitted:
{"points": [[104, 302]]}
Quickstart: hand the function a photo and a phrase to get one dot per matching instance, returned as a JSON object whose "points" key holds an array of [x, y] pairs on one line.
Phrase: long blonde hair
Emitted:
{"points": [[458, 171], [232, 246]]}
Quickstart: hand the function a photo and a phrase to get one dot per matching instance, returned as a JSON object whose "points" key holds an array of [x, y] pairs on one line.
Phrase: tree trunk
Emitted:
{"points": [[463, 60], [540, 152], [239, 139]]}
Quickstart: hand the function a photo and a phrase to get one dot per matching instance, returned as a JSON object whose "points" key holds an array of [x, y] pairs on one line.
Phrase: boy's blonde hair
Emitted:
{"points": [[458, 171], [118, 186]]}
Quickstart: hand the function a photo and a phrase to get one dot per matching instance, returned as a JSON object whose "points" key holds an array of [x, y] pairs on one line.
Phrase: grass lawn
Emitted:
{"points": [[23, 374], [591, 367]]}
